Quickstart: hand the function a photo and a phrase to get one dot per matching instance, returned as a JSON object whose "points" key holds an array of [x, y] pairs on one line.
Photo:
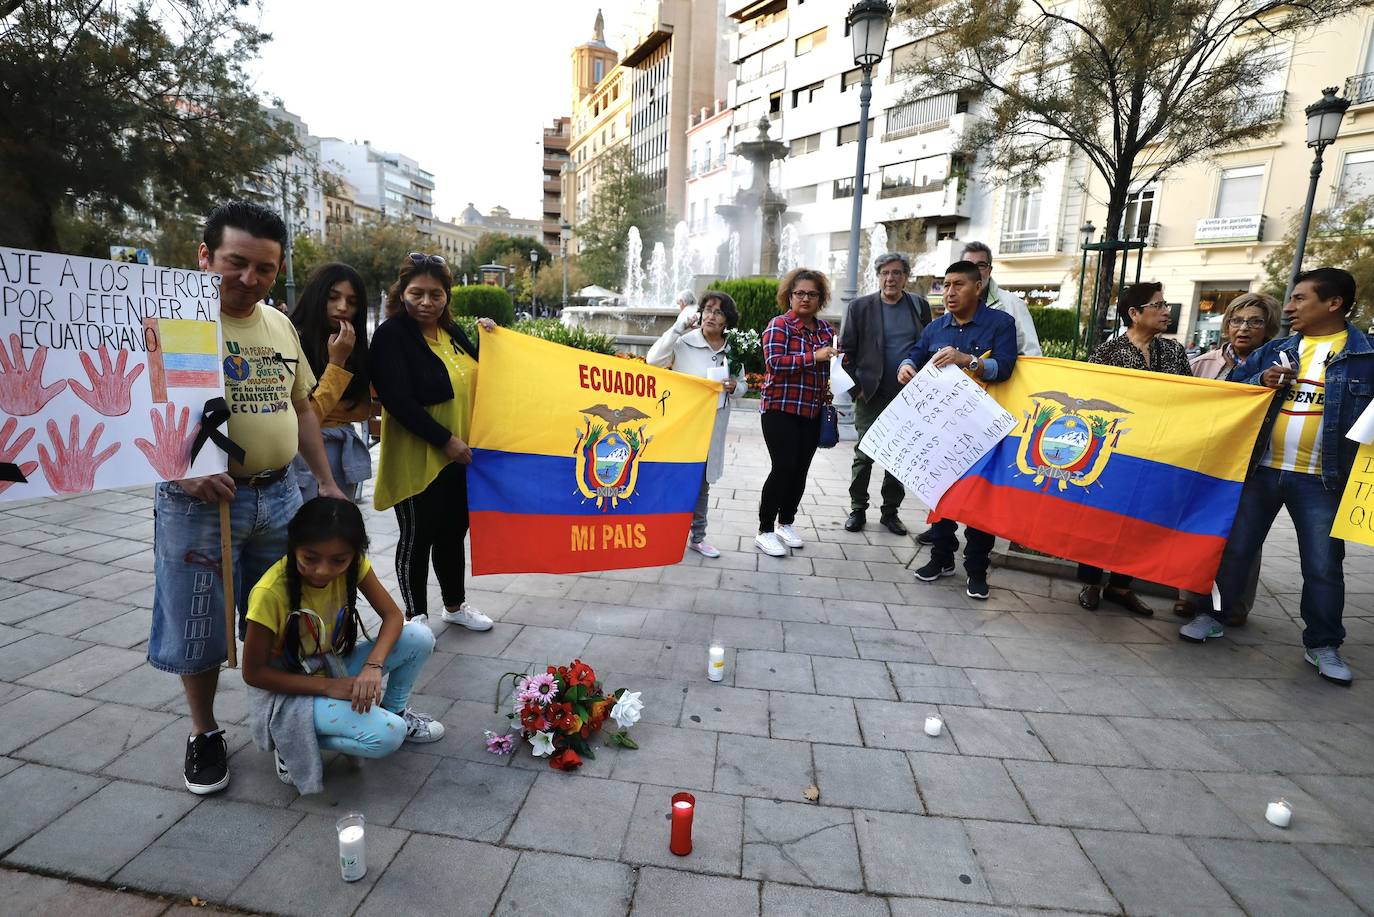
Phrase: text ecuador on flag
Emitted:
{"points": [[582, 461], [1135, 472]]}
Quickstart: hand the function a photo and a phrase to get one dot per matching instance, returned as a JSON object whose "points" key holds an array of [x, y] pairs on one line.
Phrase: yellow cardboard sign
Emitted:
{"points": [[1355, 517]]}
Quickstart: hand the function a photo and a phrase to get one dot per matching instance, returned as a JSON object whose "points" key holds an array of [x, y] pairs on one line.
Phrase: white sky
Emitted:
{"points": [[464, 87]]}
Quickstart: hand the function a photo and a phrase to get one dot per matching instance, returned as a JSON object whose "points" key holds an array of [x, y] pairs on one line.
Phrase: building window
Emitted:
{"points": [[1357, 178], [806, 194], [1140, 208], [1239, 192], [851, 78], [908, 56], [850, 133], [839, 241], [775, 105], [1023, 220], [692, 213], [707, 163], [807, 94], [803, 145], [598, 70], [898, 179], [810, 41], [844, 187]]}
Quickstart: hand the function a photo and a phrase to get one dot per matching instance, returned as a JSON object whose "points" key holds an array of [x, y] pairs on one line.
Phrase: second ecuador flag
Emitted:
{"points": [[1134, 472], [582, 461]]}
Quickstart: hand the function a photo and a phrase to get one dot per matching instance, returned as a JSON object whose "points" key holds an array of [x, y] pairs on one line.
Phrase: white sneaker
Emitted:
{"points": [[282, 774], [770, 544], [789, 536], [704, 548], [421, 728], [469, 617]]}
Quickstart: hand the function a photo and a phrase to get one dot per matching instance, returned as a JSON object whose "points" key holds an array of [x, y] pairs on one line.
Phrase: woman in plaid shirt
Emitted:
{"points": [[797, 347]]}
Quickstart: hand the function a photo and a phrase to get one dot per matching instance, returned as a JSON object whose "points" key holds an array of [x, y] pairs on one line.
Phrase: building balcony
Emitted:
{"points": [[1360, 88], [921, 115], [942, 198], [759, 85], [1261, 109], [1024, 242], [1214, 230], [747, 43]]}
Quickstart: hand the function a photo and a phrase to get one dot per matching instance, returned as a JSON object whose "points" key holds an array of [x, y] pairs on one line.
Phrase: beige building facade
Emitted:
{"points": [[1208, 226], [600, 123]]}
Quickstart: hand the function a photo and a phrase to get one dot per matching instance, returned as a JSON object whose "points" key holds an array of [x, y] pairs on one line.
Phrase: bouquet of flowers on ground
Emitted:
{"points": [[741, 346], [559, 711]]}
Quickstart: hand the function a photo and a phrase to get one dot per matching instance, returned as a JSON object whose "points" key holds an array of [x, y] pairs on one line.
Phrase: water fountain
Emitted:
{"points": [[659, 294], [634, 267], [683, 260], [732, 257], [789, 250], [877, 245], [757, 212]]}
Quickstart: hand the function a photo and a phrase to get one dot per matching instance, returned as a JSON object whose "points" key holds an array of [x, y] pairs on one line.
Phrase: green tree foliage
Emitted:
{"points": [[549, 287], [125, 106], [1342, 236], [374, 250], [624, 198], [482, 301], [1052, 324], [500, 248], [755, 297], [1136, 87]]}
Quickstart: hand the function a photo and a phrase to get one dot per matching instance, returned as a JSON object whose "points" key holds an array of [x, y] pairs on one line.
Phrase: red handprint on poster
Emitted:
{"points": [[110, 389], [22, 392], [72, 466], [9, 451], [170, 451]]}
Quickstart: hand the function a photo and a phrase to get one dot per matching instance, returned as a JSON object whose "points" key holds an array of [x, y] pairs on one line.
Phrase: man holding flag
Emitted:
{"points": [[1302, 460]]}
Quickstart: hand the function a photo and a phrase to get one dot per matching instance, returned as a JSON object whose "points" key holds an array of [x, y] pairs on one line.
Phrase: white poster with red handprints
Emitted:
{"points": [[108, 372]]}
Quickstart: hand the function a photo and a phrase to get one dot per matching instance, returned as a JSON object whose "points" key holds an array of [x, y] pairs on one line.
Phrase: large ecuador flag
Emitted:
{"points": [[1130, 471], [582, 461]]}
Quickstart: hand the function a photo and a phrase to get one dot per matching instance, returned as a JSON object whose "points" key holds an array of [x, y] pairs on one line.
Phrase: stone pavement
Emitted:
{"points": [[1092, 762]]}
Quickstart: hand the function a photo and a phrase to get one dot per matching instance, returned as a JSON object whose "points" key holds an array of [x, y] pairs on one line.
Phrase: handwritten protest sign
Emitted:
{"points": [[106, 371], [931, 433], [1355, 516]]}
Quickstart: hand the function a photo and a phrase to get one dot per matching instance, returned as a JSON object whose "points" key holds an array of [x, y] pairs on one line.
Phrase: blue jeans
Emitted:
{"points": [[1313, 510], [188, 595], [379, 731]]}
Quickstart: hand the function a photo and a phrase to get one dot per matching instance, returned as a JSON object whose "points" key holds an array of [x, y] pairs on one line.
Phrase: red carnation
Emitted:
{"points": [[566, 760]]}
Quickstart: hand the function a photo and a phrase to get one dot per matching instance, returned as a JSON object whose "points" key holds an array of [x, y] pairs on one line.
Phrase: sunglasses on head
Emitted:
{"points": [[422, 259]]}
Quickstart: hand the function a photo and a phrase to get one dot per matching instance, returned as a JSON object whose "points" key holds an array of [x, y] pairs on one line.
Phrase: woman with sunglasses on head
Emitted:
{"points": [[797, 347], [695, 345], [331, 318], [1251, 320], [424, 368]]}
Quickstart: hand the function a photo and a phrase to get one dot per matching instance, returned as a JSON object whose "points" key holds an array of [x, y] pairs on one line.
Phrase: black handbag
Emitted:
{"points": [[830, 427]]}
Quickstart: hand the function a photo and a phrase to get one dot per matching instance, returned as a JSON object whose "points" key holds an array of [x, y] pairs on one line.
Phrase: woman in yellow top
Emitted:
{"points": [[424, 369], [314, 673], [331, 318]]}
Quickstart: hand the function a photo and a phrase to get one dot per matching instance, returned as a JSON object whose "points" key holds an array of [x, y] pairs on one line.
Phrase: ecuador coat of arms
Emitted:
{"points": [[1068, 439], [608, 456]]}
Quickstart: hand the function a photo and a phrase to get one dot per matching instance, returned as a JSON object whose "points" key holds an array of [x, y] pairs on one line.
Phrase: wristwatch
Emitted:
{"points": [[973, 364]]}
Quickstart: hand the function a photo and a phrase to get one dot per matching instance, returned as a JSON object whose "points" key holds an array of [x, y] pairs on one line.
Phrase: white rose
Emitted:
{"points": [[626, 711]]}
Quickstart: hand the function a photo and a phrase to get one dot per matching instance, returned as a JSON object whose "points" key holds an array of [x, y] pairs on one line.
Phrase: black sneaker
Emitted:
{"points": [[933, 571], [207, 763], [977, 586], [926, 537]]}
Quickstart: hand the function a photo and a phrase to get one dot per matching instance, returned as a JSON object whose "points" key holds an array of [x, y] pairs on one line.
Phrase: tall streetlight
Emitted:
{"points": [[564, 234], [868, 21], [1323, 124], [534, 277], [1088, 230]]}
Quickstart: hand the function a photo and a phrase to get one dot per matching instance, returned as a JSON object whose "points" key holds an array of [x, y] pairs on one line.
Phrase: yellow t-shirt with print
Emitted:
{"points": [[407, 464], [1296, 443], [264, 372], [269, 604]]}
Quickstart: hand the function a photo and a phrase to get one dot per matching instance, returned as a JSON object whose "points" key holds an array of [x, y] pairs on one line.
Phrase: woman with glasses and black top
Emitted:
{"points": [[424, 368], [797, 347]]}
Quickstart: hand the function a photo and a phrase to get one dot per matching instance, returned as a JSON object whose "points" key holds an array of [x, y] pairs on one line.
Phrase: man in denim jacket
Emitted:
{"points": [[1324, 375]]}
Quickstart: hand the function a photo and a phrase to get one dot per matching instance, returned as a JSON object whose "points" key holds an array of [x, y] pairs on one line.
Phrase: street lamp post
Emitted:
{"points": [[534, 277], [564, 234], [1323, 124], [1088, 230], [868, 21]]}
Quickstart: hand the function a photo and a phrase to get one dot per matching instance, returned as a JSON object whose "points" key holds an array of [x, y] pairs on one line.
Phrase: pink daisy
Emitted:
{"points": [[539, 689], [500, 744]]}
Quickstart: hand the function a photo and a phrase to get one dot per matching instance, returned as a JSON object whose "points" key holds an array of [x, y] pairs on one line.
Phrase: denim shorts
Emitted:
{"points": [[188, 599]]}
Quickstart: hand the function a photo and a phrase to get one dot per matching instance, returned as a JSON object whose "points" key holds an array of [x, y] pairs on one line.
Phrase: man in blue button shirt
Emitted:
{"points": [[982, 342]]}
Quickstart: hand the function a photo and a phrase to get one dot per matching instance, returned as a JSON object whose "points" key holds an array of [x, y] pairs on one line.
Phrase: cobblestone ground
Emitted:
{"points": [[1092, 763]]}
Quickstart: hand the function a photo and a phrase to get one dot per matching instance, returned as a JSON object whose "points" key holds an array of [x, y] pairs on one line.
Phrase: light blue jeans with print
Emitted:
{"points": [[379, 731]]}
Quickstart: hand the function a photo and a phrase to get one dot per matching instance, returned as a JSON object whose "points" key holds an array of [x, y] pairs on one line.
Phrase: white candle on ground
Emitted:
{"points": [[352, 848], [1279, 813], [715, 666], [933, 725]]}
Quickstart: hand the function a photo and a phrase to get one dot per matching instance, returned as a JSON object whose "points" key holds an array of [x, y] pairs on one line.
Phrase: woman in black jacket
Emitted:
{"points": [[424, 369]]}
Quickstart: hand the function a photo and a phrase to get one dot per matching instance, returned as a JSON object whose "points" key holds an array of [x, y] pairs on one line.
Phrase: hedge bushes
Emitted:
{"points": [[550, 329], [483, 301], [1053, 324], [756, 297]]}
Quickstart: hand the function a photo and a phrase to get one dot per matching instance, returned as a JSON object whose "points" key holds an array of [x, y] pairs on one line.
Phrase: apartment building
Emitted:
{"points": [[600, 122], [712, 177], [1210, 225], [295, 178], [794, 64], [390, 183], [556, 140]]}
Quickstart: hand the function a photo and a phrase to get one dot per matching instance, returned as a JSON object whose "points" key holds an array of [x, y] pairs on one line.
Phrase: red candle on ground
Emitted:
{"points": [[680, 839]]}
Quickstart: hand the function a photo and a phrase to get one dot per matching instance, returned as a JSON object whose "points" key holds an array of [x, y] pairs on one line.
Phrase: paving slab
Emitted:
{"points": [[1037, 866], [573, 799], [787, 900], [26, 893], [666, 891], [95, 739], [765, 768], [467, 799], [717, 829], [1153, 875], [919, 856], [967, 787], [36, 713], [801, 843], [1071, 794], [604, 888], [1272, 879], [884, 779], [35, 796], [440, 875]]}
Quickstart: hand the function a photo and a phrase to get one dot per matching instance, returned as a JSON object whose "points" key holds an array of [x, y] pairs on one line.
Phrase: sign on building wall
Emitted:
{"points": [[1230, 229]]}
